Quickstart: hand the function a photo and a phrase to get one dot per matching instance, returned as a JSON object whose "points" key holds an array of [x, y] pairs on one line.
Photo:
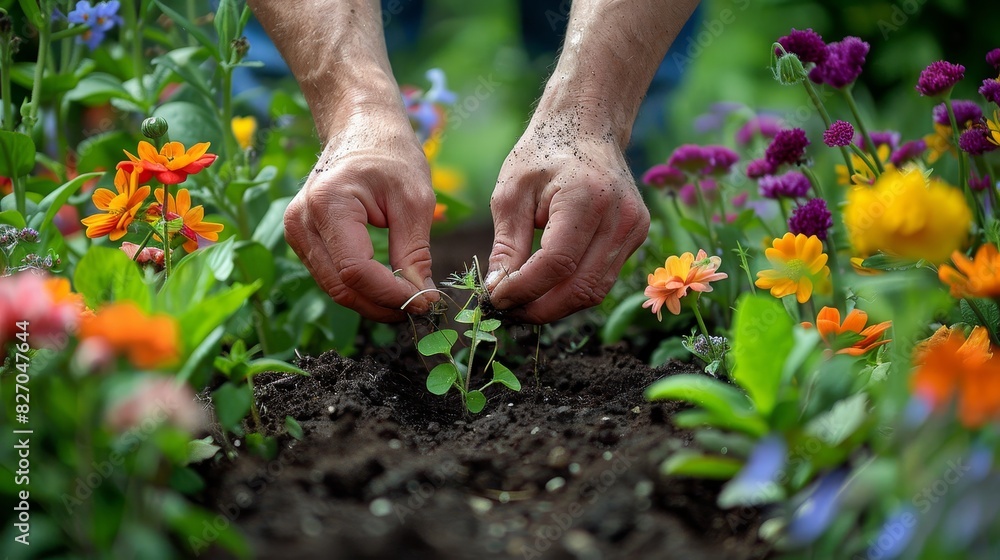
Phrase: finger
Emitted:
{"points": [[409, 221], [513, 232], [612, 245], [564, 242]]}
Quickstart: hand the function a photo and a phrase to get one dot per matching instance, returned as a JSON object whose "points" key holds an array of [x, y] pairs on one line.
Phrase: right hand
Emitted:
{"points": [[372, 171]]}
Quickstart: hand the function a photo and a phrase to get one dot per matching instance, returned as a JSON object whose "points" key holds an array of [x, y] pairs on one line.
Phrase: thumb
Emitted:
{"points": [[409, 242], [513, 231]]}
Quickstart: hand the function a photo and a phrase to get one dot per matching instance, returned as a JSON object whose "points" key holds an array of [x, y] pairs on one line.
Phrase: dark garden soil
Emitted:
{"points": [[567, 469]]}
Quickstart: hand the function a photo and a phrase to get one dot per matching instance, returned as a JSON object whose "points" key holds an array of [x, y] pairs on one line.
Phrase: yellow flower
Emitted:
{"points": [[120, 208], [906, 215], [446, 179], [993, 126], [243, 129], [862, 174], [939, 142], [432, 146], [799, 266]]}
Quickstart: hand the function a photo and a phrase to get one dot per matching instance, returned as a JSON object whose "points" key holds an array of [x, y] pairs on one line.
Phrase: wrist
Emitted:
{"points": [[336, 98]]}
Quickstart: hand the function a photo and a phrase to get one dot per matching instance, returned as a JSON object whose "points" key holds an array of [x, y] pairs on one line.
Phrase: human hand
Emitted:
{"points": [[372, 171], [572, 180]]}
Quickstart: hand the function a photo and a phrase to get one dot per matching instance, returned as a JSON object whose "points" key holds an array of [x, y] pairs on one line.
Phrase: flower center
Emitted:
{"points": [[795, 269]]}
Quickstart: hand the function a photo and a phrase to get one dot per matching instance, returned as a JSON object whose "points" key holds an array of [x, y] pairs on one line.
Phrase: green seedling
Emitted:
{"points": [[457, 371]]}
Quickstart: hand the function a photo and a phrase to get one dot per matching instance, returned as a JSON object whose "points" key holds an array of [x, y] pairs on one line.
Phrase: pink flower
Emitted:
{"points": [[154, 402], [667, 285], [149, 255], [42, 304]]}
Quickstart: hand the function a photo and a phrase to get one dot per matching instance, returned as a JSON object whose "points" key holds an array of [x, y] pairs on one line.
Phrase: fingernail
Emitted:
{"points": [[492, 279]]}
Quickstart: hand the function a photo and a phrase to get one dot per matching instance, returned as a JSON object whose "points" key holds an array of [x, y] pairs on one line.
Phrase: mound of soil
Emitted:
{"points": [[565, 469]]}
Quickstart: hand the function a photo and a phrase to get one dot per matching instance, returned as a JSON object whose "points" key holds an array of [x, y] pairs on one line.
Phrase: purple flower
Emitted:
{"points": [[759, 167], [980, 183], [883, 138], [790, 185], [689, 196], [806, 44], [690, 158], [939, 77], [662, 175], [895, 535], [840, 134], [765, 125], [975, 141], [720, 160], [818, 510], [843, 64], [991, 90], [760, 475], [100, 19], [908, 152], [788, 146], [965, 111], [439, 92], [740, 200], [811, 218], [993, 57]]}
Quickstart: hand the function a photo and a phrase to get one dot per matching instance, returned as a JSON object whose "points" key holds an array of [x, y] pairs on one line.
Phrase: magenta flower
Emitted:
{"points": [[690, 158], [975, 141], [689, 196], [765, 125], [806, 44], [788, 146], [980, 183], [991, 90], [790, 185], [740, 200], [840, 133], [720, 160], [662, 175], [843, 64], [760, 167], [939, 78], [908, 152], [811, 218], [881, 138], [965, 112], [993, 57]]}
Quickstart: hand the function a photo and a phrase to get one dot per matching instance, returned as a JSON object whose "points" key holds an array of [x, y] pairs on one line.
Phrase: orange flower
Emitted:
{"points": [[799, 266], [979, 277], [439, 211], [669, 284], [952, 366], [121, 208], [194, 226], [171, 165], [148, 342], [62, 293], [830, 329]]}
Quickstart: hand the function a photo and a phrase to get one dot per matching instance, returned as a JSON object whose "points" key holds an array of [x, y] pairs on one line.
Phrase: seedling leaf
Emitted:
{"points": [[439, 342], [467, 316], [441, 378], [489, 325], [481, 336], [692, 463], [475, 401], [503, 375]]}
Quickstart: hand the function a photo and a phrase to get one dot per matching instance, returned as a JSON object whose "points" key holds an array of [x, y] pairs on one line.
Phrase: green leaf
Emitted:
{"points": [[12, 218], [97, 89], [227, 26], [203, 317], [475, 401], [467, 316], [987, 307], [271, 228], [191, 28], [261, 365], [441, 378], [438, 342], [836, 425], [195, 276], [694, 464], [255, 262], [722, 400], [32, 12], [480, 336], [206, 348], [106, 275], [489, 325], [621, 317], [201, 449], [503, 375], [105, 149], [191, 124], [700, 418], [191, 521], [55, 200], [232, 404], [694, 227], [17, 154], [881, 261], [293, 427], [763, 341]]}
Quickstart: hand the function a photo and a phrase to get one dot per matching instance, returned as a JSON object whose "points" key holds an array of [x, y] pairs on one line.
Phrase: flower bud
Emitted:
{"points": [[786, 67], [154, 127], [240, 48], [29, 235]]}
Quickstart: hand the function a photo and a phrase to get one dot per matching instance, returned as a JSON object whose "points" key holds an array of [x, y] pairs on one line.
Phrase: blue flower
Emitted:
{"points": [[758, 481], [99, 19], [818, 510], [439, 92], [896, 534]]}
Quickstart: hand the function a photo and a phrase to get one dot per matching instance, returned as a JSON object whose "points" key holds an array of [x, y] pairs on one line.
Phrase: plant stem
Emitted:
{"points": [[36, 86], [142, 245], [848, 95], [818, 103], [701, 325], [133, 23], [875, 167], [254, 413], [839, 298], [166, 236], [963, 162], [704, 213], [5, 91]]}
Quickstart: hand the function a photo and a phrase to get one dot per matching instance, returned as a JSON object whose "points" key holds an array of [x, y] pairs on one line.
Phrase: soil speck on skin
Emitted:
{"points": [[568, 469]]}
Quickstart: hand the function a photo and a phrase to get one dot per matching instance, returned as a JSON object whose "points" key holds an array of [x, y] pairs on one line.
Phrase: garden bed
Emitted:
{"points": [[564, 469]]}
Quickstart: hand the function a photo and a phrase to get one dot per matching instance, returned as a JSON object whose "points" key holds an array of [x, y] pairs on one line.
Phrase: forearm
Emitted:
{"points": [[336, 50], [611, 52]]}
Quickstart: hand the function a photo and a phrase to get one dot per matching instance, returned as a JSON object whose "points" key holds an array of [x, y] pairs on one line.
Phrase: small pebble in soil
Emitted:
{"points": [[535, 430], [555, 484], [582, 545], [637, 410], [574, 468], [393, 443], [380, 507], [480, 506], [433, 428], [496, 530], [558, 457], [311, 526], [643, 488], [504, 497], [607, 455], [236, 442], [330, 409]]}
